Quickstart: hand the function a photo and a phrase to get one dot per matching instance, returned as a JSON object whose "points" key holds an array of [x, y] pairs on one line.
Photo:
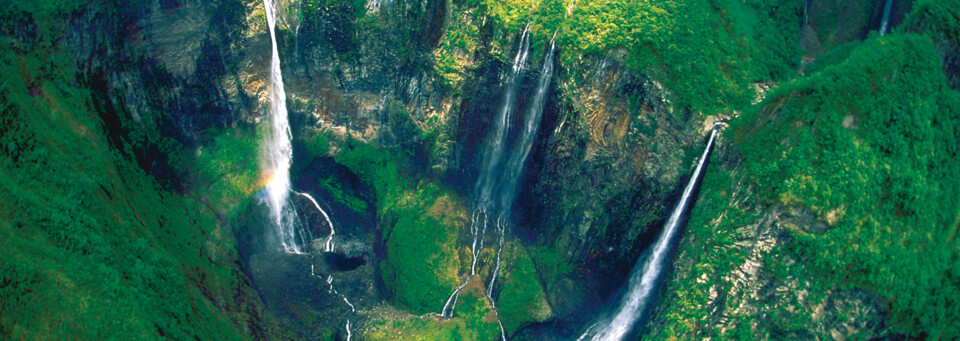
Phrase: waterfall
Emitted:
{"points": [[510, 176], [277, 152], [493, 154], [502, 166], [886, 17], [643, 277], [328, 246], [491, 160]]}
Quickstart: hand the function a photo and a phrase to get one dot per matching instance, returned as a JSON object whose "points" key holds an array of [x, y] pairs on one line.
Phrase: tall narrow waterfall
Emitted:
{"points": [[277, 151], [886, 17], [643, 276], [492, 159], [502, 165], [513, 169], [496, 141]]}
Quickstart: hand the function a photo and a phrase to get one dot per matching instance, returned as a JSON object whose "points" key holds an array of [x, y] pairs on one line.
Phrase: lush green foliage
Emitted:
{"points": [[92, 247], [419, 222], [475, 320], [707, 52], [939, 18], [522, 298], [870, 144], [704, 51]]}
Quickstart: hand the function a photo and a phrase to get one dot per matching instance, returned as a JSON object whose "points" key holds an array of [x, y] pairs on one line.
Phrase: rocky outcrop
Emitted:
{"points": [[611, 157], [163, 75], [748, 285]]}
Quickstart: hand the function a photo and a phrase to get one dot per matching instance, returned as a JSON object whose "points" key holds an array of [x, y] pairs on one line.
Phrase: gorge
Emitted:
{"points": [[479, 170]]}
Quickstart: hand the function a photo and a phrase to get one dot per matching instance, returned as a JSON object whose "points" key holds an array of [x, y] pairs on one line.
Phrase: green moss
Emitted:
{"points": [[522, 299], [93, 247], [474, 320], [871, 144], [419, 223]]}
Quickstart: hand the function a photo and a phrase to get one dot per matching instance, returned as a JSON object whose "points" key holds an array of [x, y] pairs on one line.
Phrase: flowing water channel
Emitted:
{"points": [[641, 285]]}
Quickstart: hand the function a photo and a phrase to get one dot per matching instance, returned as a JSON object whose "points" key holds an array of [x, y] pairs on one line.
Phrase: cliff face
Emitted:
{"points": [[180, 87], [601, 182], [610, 141], [736, 272]]}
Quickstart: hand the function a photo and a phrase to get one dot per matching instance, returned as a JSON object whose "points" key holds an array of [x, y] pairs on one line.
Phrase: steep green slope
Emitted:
{"points": [[870, 146], [92, 247], [707, 52]]}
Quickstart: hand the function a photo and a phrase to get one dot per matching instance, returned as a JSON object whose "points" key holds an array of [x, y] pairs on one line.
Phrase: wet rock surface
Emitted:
{"points": [[765, 291], [611, 155]]}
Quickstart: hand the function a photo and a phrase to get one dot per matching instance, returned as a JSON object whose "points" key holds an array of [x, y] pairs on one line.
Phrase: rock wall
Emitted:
{"points": [[746, 282], [607, 166]]}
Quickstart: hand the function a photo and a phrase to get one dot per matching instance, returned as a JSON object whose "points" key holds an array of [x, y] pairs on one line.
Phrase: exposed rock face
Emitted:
{"points": [[611, 154], [611, 157], [758, 289], [170, 68]]}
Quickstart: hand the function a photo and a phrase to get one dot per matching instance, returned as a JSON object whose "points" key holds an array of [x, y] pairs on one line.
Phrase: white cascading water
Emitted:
{"points": [[510, 176], [501, 169], [328, 245], [493, 155], [514, 169], [277, 151], [886, 17], [643, 278], [275, 162]]}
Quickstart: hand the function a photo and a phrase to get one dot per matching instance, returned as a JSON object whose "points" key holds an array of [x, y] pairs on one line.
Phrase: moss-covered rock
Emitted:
{"points": [[521, 299], [474, 320]]}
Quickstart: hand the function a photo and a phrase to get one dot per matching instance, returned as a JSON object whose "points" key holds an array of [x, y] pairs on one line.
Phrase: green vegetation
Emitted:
{"points": [[706, 52], [870, 144], [475, 320], [419, 222], [553, 266], [93, 247], [104, 236], [937, 18], [459, 44], [721, 209], [522, 299], [691, 46], [230, 161]]}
